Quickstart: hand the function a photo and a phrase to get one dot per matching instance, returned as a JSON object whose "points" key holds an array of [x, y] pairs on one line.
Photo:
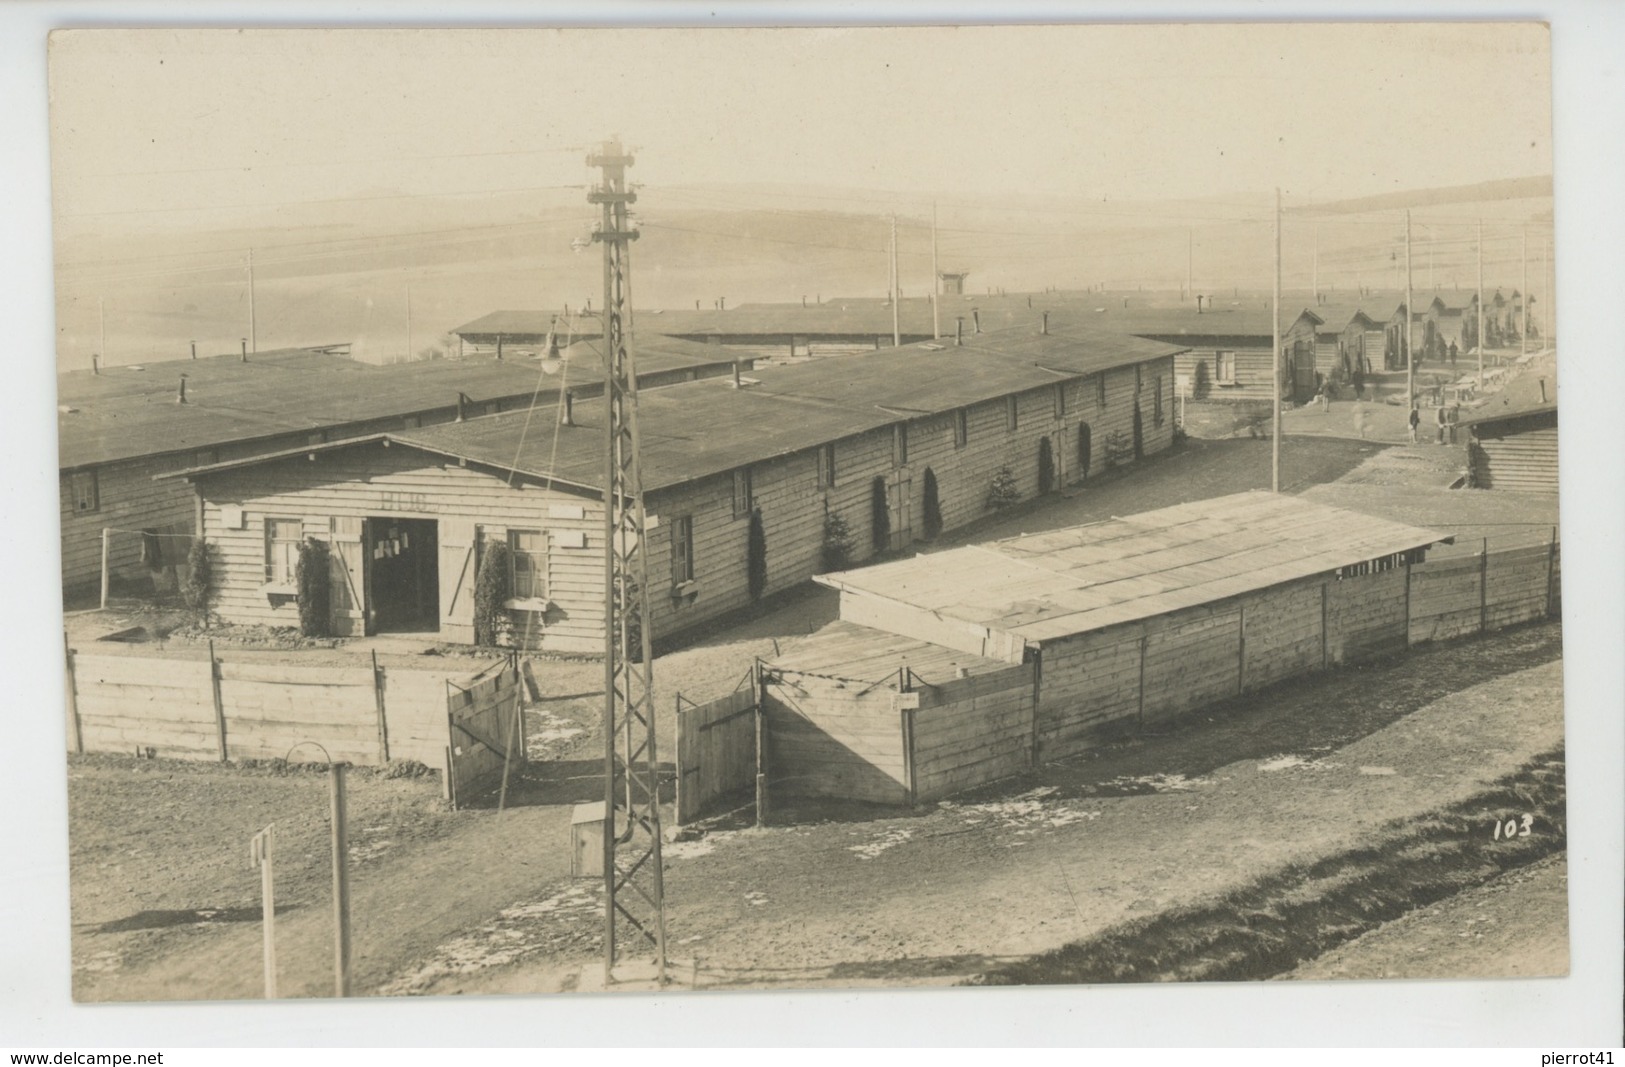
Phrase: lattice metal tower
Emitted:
{"points": [[633, 873]]}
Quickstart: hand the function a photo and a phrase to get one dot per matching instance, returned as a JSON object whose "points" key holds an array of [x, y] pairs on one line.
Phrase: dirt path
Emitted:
{"points": [[941, 894]]}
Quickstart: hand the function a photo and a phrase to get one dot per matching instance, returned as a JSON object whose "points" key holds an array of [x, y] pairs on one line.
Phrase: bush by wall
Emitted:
{"points": [[933, 506], [836, 552], [492, 587], [1004, 492], [756, 556], [198, 589], [879, 516], [313, 573]]}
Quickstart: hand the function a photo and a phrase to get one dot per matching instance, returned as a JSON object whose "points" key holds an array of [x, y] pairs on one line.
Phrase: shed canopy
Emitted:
{"points": [[1044, 586]]}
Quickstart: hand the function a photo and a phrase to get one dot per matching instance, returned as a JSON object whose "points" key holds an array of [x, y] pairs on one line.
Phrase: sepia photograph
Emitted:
{"points": [[678, 510]]}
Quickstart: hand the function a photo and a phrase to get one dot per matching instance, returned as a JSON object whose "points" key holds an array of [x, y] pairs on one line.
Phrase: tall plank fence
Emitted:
{"points": [[485, 731], [716, 750], [242, 710]]}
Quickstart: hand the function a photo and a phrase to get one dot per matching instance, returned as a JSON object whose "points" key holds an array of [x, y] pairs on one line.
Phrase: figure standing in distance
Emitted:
{"points": [[1440, 416], [1415, 420]]}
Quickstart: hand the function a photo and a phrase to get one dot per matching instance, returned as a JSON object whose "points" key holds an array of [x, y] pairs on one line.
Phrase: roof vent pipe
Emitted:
{"points": [[959, 330], [737, 383], [95, 363], [461, 401], [1543, 390], [568, 416], [722, 303], [803, 299], [1045, 328], [180, 398], [1198, 303], [245, 350], [976, 317], [194, 349]]}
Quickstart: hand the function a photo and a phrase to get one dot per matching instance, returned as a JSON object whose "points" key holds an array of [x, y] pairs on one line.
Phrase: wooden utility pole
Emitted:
{"points": [[253, 339], [1190, 263], [1548, 279], [1410, 315], [1481, 303], [101, 315], [341, 880], [936, 277], [896, 319], [261, 849], [1523, 331], [1275, 321], [408, 324], [1314, 271]]}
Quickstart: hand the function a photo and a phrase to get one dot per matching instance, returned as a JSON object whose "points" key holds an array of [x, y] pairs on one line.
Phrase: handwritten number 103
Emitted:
{"points": [[1514, 827]]}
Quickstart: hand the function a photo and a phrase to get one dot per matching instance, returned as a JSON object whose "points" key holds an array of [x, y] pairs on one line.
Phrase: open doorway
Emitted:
{"points": [[403, 581]]}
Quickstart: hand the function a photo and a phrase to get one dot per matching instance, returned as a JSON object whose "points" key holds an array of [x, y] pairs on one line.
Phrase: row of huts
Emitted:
{"points": [[118, 428], [831, 459]]}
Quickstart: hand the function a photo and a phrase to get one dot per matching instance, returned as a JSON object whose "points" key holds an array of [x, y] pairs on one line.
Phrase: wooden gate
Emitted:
{"points": [[457, 561], [347, 566], [717, 748], [486, 731]]}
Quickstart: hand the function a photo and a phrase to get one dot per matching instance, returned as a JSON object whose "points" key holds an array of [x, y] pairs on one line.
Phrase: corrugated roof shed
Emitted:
{"points": [[124, 413], [1051, 585], [694, 429]]}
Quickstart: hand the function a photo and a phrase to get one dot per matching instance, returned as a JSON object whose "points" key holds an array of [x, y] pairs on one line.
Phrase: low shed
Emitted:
{"points": [[1139, 619], [1514, 436]]}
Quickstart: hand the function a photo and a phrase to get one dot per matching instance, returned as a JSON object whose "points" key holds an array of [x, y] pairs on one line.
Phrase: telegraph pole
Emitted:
{"points": [[101, 315], [1481, 303], [253, 341], [634, 882], [1410, 360], [896, 320], [1275, 319], [936, 277], [408, 324], [1314, 271], [1523, 334], [1190, 263]]}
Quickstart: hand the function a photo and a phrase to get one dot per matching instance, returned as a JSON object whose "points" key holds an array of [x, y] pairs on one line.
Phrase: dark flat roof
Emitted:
{"points": [[124, 413], [695, 429]]}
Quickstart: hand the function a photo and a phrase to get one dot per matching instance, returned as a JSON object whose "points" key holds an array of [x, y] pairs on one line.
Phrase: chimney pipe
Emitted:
{"points": [[245, 350], [696, 305], [976, 317], [803, 299], [722, 303], [180, 397], [194, 349], [95, 363], [737, 382], [461, 400], [1045, 328], [569, 416], [1198, 303], [499, 347], [1543, 390], [959, 330], [1029, 301]]}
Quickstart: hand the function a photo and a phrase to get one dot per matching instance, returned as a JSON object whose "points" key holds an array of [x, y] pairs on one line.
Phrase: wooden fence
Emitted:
{"points": [[217, 710], [485, 731], [716, 750]]}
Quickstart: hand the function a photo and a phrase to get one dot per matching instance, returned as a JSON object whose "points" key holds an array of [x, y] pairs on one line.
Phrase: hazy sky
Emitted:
{"points": [[147, 121]]}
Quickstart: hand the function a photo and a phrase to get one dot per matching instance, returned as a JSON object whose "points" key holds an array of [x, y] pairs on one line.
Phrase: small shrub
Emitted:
{"points": [[756, 556], [1119, 449], [198, 589], [1004, 492], [491, 588], [836, 552], [313, 574], [933, 506], [879, 516]]}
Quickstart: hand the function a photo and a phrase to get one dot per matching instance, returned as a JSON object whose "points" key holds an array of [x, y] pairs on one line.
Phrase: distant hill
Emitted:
{"points": [[1501, 189]]}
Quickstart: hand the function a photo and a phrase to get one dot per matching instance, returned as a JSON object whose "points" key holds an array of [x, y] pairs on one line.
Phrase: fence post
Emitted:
{"points": [[73, 700], [1407, 603], [261, 849], [1551, 570], [219, 705], [341, 883], [378, 701], [908, 752], [1241, 649], [1484, 587], [761, 744], [1325, 625], [1140, 711], [107, 537]]}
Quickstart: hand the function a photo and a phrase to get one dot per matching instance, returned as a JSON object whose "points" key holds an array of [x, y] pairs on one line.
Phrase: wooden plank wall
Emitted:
{"points": [[484, 731], [716, 751], [829, 738], [1088, 682], [1522, 459], [971, 730], [128, 704], [1190, 660], [793, 504], [129, 500], [1365, 617]]}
